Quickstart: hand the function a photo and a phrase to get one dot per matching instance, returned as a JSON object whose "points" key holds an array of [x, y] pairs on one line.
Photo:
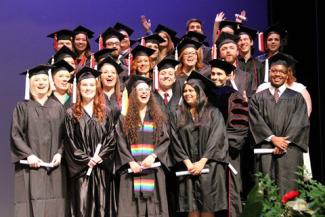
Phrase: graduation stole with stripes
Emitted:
{"points": [[144, 183]]}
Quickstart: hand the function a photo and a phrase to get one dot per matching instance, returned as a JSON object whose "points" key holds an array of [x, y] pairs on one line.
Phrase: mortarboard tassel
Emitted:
{"points": [[143, 42], [266, 72], [52, 86], [92, 61], [176, 54], [100, 42], [27, 97], [125, 102], [129, 62], [155, 77], [214, 52], [74, 90], [261, 42], [55, 41]]}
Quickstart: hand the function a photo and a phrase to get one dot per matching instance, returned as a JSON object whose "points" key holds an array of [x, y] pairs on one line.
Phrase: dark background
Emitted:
{"points": [[25, 24]]}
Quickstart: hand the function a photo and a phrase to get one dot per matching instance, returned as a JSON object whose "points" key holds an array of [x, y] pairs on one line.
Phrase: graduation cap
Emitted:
{"points": [[84, 30], [221, 64], [63, 34], [61, 65], [186, 43], [103, 53], [231, 24], [141, 51], [161, 28], [154, 38], [196, 36], [282, 59], [86, 72], [226, 38], [135, 80], [37, 70], [119, 26], [166, 63], [205, 82], [277, 29], [112, 62], [64, 52], [111, 33], [246, 30]]}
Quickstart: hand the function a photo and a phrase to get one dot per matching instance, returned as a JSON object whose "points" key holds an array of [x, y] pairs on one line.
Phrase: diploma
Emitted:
{"points": [[185, 173], [263, 150], [42, 164], [154, 165], [232, 168], [233, 84], [96, 153]]}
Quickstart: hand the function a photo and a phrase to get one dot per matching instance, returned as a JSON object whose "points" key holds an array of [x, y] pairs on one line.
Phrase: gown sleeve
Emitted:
{"points": [[19, 148], [162, 146]]}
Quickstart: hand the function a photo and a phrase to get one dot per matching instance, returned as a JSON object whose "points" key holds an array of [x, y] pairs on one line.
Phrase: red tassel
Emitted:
{"points": [[218, 34], [55, 41], [261, 42], [101, 45], [92, 61]]}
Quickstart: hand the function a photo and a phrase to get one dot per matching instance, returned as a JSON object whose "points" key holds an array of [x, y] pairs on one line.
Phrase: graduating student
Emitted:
{"points": [[166, 47], [127, 32], [142, 140], [240, 80], [279, 120], [246, 61], [61, 76], [67, 55], [234, 110], [189, 58], [62, 38], [142, 63], [199, 141], [110, 84], [36, 136], [89, 123], [81, 44], [153, 41]]}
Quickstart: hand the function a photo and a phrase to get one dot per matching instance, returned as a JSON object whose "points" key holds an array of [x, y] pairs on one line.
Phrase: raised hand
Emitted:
{"points": [[146, 24]]}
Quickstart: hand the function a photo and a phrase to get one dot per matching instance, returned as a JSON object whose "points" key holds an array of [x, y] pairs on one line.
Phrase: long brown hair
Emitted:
{"points": [[87, 50], [117, 87], [132, 119], [170, 46], [291, 78], [99, 104], [198, 66], [134, 65]]}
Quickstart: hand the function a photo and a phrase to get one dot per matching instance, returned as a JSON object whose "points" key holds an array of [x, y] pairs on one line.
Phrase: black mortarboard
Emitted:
{"points": [[196, 36], [207, 83], [37, 70], [186, 42], [275, 28], [141, 51], [167, 63], [154, 38], [246, 30], [112, 62], [282, 59], [120, 26], [170, 32], [63, 34], [232, 24], [103, 53], [82, 29], [225, 38], [111, 33], [135, 80], [86, 72], [221, 64], [61, 65], [64, 52]]}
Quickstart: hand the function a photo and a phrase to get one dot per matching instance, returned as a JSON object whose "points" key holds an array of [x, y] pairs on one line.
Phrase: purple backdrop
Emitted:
{"points": [[25, 24]]}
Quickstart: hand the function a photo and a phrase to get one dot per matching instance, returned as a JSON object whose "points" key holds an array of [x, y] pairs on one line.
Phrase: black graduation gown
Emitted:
{"points": [[244, 82], [37, 130], [115, 108], [93, 195], [128, 205], [235, 112], [206, 54], [67, 103], [207, 192], [289, 118], [254, 67]]}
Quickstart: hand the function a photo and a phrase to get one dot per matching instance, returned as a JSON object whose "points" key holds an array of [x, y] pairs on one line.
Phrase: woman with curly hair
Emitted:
{"points": [[89, 123], [199, 141], [142, 140]]}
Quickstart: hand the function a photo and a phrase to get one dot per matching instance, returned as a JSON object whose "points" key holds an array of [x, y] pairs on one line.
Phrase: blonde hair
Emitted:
{"points": [[32, 90]]}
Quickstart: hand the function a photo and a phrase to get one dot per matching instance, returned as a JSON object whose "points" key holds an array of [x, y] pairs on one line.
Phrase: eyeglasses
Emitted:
{"points": [[143, 89], [113, 43], [274, 71]]}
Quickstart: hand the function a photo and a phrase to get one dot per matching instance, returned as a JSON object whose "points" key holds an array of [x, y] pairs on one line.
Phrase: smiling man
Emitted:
{"points": [[279, 120]]}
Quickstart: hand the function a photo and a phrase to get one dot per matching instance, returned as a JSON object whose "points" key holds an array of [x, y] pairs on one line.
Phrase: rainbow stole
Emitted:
{"points": [[144, 184]]}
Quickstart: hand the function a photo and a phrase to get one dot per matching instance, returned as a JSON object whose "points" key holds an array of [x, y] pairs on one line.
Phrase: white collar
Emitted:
{"points": [[162, 93], [281, 89]]}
